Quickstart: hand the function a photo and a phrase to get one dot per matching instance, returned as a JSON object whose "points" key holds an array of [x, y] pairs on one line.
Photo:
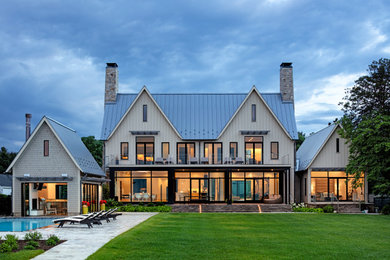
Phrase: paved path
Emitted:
{"points": [[82, 241]]}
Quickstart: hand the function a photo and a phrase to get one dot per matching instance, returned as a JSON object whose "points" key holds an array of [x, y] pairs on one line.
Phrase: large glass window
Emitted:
{"points": [[253, 149], [333, 186], [124, 151], [141, 186], [185, 151], [213, 151], [145, 150], [274, 150], [233, 152]]}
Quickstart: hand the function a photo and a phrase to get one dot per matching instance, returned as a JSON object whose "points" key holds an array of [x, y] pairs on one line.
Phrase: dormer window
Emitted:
{"points": [[145, 113], [253, 113], [46, 148]]}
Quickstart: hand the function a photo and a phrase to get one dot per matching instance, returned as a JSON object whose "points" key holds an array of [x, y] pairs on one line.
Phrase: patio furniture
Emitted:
{"points": [[159, 160], [239, 160], [50, 210], [228, 160], [204, 160], [138, 196], [145, 197], [273, 199], [87, 220], [193, 160], [169, 160]]}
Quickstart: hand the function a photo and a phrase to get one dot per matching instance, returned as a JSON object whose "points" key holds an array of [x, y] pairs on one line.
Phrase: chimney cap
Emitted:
{"points": [[286, 65], [112, 64], [28, 115]]}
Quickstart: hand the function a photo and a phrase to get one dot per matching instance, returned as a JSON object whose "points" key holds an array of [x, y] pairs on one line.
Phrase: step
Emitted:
{"points": [[275, 208], [185, 208], [230, 208]]}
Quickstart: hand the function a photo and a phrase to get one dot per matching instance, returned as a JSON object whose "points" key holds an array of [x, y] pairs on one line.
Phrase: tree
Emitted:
{"points": [[301, 138], [95, 147], [6, 159], [366, 126]]}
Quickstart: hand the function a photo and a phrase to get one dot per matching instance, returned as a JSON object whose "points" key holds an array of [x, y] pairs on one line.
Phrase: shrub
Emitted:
{"points": [[305, 209], [159, 203], [52, 240], [5, 248], [33, 236], [33, 243], [151, 204], [12, 241], [113, 204], [386, 209], [328, 209], [29, 247], [132, 208]]}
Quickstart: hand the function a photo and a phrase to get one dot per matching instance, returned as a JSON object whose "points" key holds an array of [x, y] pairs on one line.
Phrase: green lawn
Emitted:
{"points": [[253, 236], [21, 255]]}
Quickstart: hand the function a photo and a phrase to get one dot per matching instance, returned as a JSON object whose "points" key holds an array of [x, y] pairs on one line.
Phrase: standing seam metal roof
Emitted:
{"points": [[199, 116], [311, 146], [76, 147]]}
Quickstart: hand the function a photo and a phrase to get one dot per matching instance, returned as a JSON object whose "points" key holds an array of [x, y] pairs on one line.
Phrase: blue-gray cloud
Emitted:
{"points": [[53, 53]]}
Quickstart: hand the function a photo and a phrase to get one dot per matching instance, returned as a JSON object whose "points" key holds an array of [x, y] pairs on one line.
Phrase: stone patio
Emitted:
{"points": [[82, 241]]}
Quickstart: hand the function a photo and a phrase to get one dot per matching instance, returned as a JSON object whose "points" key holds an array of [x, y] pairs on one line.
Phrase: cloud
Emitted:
{"points": [[374, 37]]}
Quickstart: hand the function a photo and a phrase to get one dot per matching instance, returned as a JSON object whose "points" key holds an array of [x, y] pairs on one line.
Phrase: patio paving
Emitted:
{"points": [[82, 241]]}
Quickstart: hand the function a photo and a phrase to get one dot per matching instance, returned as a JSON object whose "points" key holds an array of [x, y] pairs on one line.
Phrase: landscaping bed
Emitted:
{"points": [[41, 244]]}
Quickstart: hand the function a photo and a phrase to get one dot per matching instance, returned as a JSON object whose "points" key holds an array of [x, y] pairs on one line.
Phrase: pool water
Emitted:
{"points": [[24, 224]]}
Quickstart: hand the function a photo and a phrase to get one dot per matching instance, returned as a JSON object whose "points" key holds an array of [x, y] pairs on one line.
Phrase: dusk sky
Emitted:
{"points": [[53, 54]]}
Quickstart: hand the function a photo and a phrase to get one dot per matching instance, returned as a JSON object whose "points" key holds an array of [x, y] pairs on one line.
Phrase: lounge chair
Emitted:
{"points": [[88, 220]]}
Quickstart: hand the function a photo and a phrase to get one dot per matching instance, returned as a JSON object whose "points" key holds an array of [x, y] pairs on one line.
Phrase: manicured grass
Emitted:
{"points": [[253, 236], [21, 255]]}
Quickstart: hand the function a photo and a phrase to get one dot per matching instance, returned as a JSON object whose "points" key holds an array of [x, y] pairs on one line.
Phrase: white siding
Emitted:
{"points": [[34, 163]]}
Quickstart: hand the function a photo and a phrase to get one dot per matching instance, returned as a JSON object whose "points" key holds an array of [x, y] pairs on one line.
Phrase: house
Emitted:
{"points": [[6, 184], [53, 172], [321, 163], [184, 148]]}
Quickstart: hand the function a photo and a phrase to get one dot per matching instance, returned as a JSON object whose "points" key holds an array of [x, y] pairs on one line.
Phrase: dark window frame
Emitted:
{"points": [[145, 143], [186, 151], [162, 149], [58, 192], [277, 151], [46, 145], [230, 150], [123, 155], [145, 113], [253, 147], [253, 113], [337, 145], [212, 152]]}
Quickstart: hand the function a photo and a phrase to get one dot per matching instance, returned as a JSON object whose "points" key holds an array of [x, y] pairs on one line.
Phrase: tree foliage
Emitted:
{"points": [[366, 126], [5, 159], [301, 138], [95, 147]]}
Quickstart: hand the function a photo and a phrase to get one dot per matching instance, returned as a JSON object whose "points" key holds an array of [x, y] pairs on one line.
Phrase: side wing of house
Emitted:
{"points": [[33, 163]]}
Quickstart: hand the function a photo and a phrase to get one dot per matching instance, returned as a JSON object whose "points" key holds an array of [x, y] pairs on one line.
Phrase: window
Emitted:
{"points": [[124, 151], [145, 150], [145, 113], [164, 150], [337, 145], [213, 151], [46, 148], [185, 151], [233, 152], [61, 192], [254, 150], [305, 187], [274, 150], [253, 113]]}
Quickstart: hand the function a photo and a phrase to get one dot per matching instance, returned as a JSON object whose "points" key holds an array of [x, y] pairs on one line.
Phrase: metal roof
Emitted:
{"points": [[76, 147], [199, 116], [311, 146]]}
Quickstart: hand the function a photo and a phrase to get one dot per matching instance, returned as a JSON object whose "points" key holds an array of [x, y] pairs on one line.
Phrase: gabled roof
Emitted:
{"points": [[5, 180], [312, 146], [72, 144], [199, 116]]}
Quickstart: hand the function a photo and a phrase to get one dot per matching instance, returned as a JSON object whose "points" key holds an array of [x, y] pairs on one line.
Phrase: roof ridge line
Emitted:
{"points": [[55, 121]]}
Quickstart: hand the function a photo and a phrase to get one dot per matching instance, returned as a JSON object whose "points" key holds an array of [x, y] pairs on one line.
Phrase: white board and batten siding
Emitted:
{"points": [[32, 162]]}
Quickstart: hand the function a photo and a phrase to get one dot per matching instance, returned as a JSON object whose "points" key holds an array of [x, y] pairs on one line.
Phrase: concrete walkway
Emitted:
{"points": [[82, 241]]}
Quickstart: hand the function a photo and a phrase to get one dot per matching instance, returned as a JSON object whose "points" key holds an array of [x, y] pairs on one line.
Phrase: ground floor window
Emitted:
{"points": [[333, 186], [91, 194], [200, 186], [44, 199], [141, 186]]}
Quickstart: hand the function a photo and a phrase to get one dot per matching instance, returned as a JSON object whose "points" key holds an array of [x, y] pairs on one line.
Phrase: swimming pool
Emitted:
{"points": [[24, 224]]}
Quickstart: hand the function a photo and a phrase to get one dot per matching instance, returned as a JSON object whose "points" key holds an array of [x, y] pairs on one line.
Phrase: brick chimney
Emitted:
{"points": [[111, 83], [28, 126], [286, 82]]}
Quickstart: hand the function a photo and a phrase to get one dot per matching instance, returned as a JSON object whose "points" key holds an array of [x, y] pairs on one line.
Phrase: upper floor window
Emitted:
{"points": [[274, 150], [61, 192], [145, 113], [164, 150], [233, 152], [124, 151], [46, 148], [213, 151], [185, 151], [253, 113], [145, 150], [253, 149], [337, 145]]}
